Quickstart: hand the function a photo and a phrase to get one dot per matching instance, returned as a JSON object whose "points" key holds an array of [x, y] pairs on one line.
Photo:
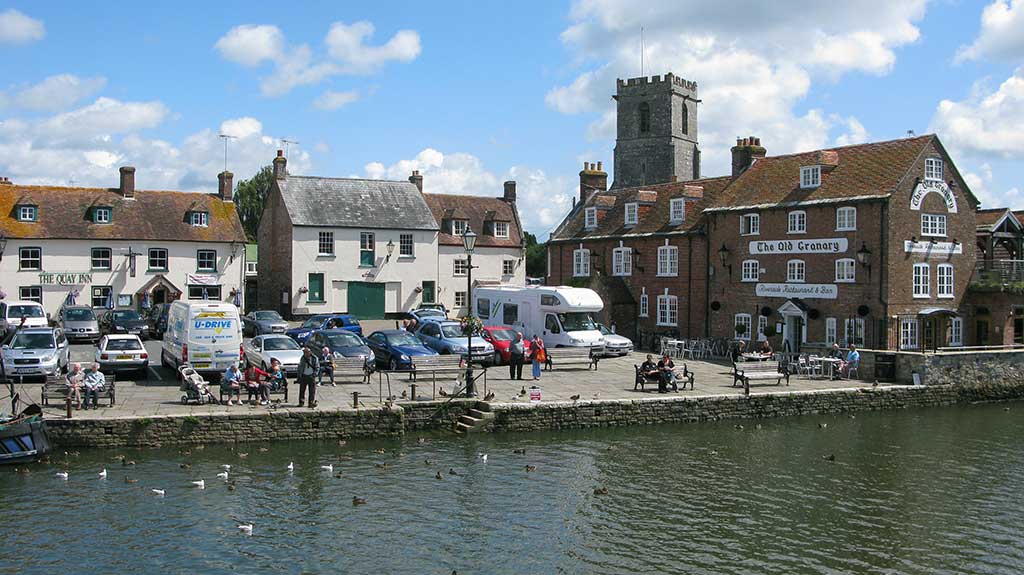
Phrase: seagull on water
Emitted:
{"points": [[226, 467], [158, 492], [482, 456], [62, 474], [223, 475], [291, 466], [201, 484], [103, 474], [245, 528], [328, 468]]}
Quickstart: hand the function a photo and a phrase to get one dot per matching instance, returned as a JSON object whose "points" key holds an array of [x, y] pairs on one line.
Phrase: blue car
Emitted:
{"points": [[325, 321], [342, 343], [396, 349]]}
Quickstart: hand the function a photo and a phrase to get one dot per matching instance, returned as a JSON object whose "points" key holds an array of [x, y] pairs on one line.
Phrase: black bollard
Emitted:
{"points": [[355, 399]]}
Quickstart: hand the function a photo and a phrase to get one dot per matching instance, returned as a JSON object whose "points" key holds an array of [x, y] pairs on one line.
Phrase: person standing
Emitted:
{"points": [[309, 366], [516, 353], [94, 382], [538, 354]]}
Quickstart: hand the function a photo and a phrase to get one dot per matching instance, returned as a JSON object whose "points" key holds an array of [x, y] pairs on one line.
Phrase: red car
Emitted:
{"points": [[501, 336]]}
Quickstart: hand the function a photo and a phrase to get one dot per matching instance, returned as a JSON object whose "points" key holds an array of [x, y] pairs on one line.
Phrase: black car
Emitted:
{"points": [[156, 319], [123, 321]]}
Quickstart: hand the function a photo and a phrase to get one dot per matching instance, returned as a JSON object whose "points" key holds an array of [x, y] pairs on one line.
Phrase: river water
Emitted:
{"points": [[919, 491]]}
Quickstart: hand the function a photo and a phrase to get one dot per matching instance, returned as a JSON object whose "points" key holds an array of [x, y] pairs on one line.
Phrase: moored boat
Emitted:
{"points": [[23, 437]]}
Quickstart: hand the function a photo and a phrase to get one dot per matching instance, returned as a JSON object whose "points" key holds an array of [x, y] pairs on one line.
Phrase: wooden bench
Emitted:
{"points": [[745, 372], [351, 366], [56, 387], [560, 356], [449, 363], [681, 378]]}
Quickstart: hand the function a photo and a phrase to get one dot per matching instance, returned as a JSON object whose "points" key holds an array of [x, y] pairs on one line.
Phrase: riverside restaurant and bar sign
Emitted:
{"points": [[806, 291]]}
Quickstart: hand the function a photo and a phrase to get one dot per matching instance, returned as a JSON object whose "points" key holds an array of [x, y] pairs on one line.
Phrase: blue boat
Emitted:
{"points": [[23, 438]]}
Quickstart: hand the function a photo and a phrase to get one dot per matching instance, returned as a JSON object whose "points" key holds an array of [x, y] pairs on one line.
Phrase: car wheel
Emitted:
{"points": [[184, 400], [393, 365]]}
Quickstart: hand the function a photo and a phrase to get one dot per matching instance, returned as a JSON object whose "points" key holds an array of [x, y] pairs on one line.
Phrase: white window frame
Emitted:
{"points": [[668, 310], [31, 293], [956, 332], [644, 305], [590, 218], [750, 225], [508, 267], [846, 270], [406, 246], [750, 271], [28, 213], [106, 213], [944, 281], [933, 171], [459, 227], [36, 257], [632, 214], [668, 261], [810, 177], [581, 263], [251, 268], [325, 240], [848, 213], [676, 210], [460, 267], [857, 331], [797, 222], [830, 330], [200, 219], [922, 280], [622, 261], [501, 229], [796, 271], [908, 333], [460, 296], [742, 318], [933, 225]]}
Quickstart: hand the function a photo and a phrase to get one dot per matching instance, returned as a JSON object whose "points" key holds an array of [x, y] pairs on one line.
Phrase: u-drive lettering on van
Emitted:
{"points": [[216, 325]]}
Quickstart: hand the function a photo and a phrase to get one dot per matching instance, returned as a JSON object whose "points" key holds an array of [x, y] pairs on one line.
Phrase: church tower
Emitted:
{"points": [[656, 137]]}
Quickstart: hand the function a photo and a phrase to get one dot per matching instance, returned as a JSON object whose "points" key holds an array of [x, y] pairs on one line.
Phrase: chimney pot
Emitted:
{"points": [[225, 185], [128, 181], [510, 191], [747, 150], [599, 167], [417, 180], [280, 166], [280, 153]]}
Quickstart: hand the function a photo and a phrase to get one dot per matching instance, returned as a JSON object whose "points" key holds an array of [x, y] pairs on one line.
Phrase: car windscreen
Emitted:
{"points": [[79, 315], [314, 321], [268, 316], [123, 345], [576, 321], [343, 339], [424, 313], [503, 334], [33, 341], [403, 339], [126, 315], [603, 329], [16, 311], [452, 330], [279, 344]]}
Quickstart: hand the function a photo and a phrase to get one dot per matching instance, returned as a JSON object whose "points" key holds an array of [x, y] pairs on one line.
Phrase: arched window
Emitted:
{"points": [[686, 118], [645, 117]]}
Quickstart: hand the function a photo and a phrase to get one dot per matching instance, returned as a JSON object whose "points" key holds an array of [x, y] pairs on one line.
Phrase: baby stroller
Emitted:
{"points": [[195, 387]]}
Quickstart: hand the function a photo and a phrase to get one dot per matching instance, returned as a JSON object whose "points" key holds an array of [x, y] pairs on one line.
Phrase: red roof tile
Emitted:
{"points": [[477, 210]]}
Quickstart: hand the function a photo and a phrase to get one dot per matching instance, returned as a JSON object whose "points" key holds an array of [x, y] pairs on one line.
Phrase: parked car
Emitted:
{"points": [[396, 349], [36, 351], [11, 313], [438, 306], [501, 337], [325, 321], [123, 321], [342, 343], [423, 314], [263, 348], [614, 345], [122, 352], [79, 322], [446, 337], [262, 322], [156, 319]]}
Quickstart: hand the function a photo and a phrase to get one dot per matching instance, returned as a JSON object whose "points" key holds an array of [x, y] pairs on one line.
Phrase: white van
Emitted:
{"points": [[560, 315], [205, 334], [11, 313]]}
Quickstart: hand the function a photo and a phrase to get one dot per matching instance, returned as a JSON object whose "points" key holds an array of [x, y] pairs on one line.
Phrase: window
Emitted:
{"points": [[590, 218], [908, 333], [158, 259], [810, 176], [622, 261], [581, 262], [853, 329], [933, 225], [643, 305], [459, 227], [460, 299], [206, 261], [750, 224], [101, 295], [501, 229], [668, 310], [846, 219], [922, 273], [405, 246], [31, 293], [101, 258], [668, 261], [676, 210], [550, 300], [742, 319], [797, 222], [632, 211], [762, 324], [846, 272], [956, 331], [460, 267], [250, 268], [508, 267], [933, 169], [198, 219], [204, 292], [795, 271], [751, 270], [28, 213], [830, 330], [367, 250], [645, 117], [30, 259], [944, 280], [483, 308], [325, 244], [101, 215], [684, 118]]}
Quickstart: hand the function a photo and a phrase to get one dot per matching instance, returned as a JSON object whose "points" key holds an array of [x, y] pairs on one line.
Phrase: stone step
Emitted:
{"points": [[462, 428], [479, 414], [469, 420], [483, 406]]}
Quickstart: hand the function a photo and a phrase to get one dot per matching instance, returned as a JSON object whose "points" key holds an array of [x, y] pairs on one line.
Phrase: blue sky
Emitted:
{"points": [[473, 93]]}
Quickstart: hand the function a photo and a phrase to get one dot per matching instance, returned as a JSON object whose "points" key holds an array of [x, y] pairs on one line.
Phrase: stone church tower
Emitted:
{"points": [[656, 138]]}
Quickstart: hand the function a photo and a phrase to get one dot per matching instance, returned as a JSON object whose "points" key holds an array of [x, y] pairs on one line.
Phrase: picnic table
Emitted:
{"points": [[755, 356]]}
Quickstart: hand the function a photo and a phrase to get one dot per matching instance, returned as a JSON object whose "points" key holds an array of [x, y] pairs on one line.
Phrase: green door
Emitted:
{"points": [[366, 300], [428, 292]]}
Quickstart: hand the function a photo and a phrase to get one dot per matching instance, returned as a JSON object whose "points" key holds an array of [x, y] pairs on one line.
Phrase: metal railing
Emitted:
{"points": [[999, 271]]}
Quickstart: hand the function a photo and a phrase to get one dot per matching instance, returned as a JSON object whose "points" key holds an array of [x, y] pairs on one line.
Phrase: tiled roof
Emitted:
{"points": [[656, 220], [476, 209], [988, 219], [66, 213], [355, 203]]}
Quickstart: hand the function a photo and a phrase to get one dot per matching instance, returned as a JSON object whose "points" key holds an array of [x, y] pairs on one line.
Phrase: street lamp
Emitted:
{"points": [[469, 244], [3, 244], [723, 255], [391, 250], [864, 255]]}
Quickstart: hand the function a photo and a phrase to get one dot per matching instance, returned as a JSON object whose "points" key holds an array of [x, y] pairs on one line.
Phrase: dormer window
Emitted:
{"points": [[101, 215], [632, 211], [933, 169], [810, 177], [677, 210], [28, 213], [590, 220], [199, 219], [459, 227], [501, 229]]}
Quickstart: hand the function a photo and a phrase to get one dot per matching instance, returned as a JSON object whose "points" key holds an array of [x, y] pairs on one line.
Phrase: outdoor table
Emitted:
{"points": [[756, 356], [832, 362]]}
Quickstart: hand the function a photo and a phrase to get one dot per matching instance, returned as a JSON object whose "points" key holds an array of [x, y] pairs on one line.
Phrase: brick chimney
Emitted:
{"points": [[128, 181], [744, 153], [417, 180], [510, 191], [592, 179], [5, 181], [280, 166], [225, 185]]}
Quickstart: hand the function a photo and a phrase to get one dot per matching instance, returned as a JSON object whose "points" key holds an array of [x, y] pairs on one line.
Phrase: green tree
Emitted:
{"points": [[536, 258], [249, 197]]}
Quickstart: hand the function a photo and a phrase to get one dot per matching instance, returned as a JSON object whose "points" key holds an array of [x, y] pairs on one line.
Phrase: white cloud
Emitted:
{"points": [[100, 121], [241, 127], [1002, 33], [331, 100], [54, 93], [855, 133], [17, 28], [345, 44], [250, 45], [981, 183], [986, 123]]}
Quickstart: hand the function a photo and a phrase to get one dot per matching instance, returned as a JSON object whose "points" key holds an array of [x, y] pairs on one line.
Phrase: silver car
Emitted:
{"points": [[36, 351], [262, 322], [79, 323], [614, 344], [260, 350]]}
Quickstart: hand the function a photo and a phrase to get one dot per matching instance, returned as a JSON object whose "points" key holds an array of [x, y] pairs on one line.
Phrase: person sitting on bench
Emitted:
{"points": [[649, 369], [667, 373], [257, 384]]}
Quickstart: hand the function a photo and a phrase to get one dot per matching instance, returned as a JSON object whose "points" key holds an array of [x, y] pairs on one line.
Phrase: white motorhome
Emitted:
{"points": [[206, 334], [560, 315]]}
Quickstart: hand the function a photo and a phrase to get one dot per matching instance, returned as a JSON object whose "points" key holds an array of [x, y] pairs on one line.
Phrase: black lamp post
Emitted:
{"points": [[864, 255], [391, 249], [469, 243]]}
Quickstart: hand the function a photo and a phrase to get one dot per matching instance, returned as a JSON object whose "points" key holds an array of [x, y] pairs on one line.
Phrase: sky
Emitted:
{"points": [[478, 92]]}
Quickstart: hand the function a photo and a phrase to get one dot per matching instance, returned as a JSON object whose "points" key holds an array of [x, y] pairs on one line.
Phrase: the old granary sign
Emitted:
{"points": [[802, 246], [806, 291], [929, 186]]}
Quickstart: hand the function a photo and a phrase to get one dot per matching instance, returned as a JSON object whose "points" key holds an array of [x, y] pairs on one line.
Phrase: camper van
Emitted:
{"points": [[560, 315], [205, 334]]}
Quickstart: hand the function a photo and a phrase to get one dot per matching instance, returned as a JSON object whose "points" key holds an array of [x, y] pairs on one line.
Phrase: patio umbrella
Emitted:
{"points": [[70, 299], [110, 301], [238, 298], [145, 300]]}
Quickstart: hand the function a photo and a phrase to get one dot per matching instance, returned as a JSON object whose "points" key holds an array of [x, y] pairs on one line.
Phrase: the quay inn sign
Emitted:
{"points": [[65, 278], [806, 291], [939, 187], [818, 246]]}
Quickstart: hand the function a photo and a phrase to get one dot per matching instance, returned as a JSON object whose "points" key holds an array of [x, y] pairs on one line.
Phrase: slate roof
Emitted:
{"points": [[355, 203], [66, 213], [476, 209]]}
